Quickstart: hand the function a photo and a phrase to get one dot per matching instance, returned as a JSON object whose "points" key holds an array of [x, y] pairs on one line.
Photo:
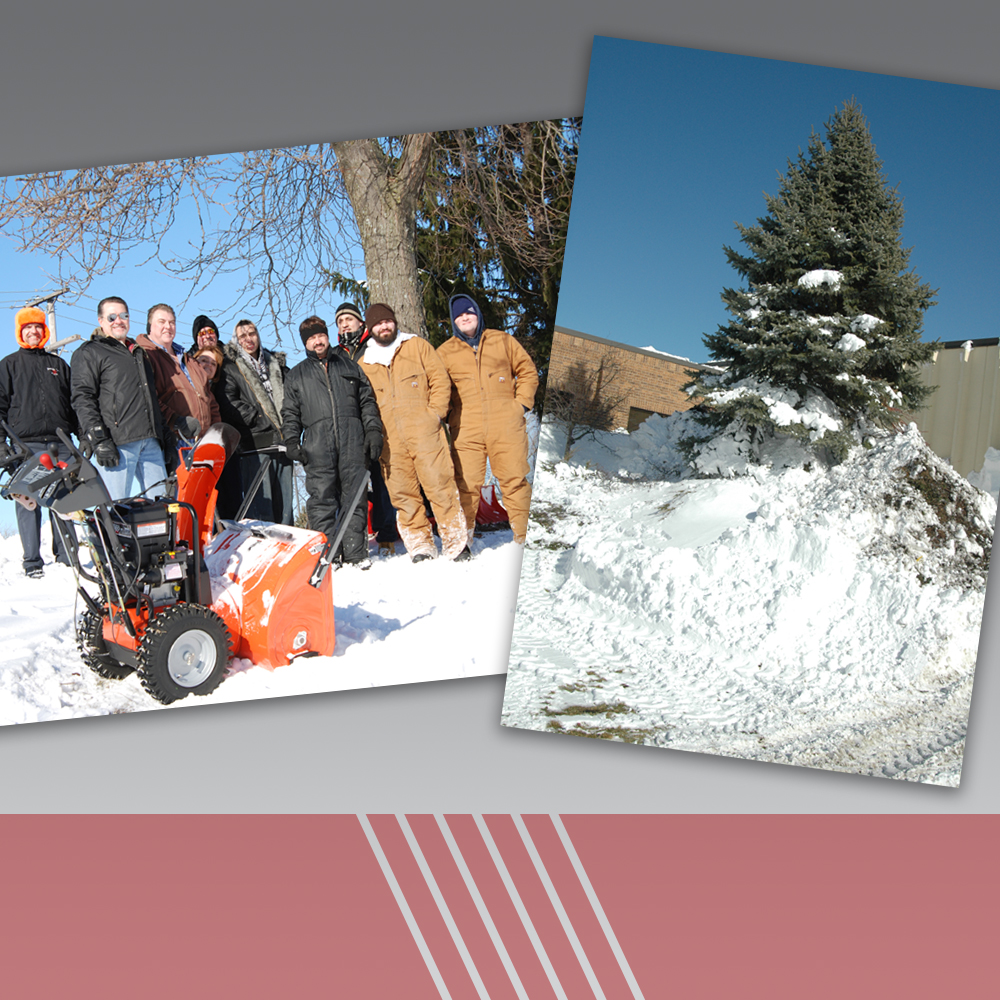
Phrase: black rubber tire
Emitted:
{"points": [[208, 641], [90, 642]]}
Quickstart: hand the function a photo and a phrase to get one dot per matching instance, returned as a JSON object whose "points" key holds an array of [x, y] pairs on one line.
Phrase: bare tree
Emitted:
{"points": [[286, 220], [586, 398]]}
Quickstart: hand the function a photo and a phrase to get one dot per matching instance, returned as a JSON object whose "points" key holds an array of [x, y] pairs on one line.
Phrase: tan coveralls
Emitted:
{"points": [[412, 395], [493, 387]]}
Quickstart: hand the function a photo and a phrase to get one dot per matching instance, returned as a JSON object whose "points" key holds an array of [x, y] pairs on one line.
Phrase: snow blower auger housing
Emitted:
{"points": [[154, 562]]}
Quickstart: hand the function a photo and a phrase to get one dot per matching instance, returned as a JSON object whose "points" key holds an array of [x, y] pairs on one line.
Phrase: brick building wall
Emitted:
{"points": [[635, 382]]}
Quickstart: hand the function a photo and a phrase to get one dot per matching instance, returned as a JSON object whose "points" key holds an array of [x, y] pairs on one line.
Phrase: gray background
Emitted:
{"points": [[109, 82]]}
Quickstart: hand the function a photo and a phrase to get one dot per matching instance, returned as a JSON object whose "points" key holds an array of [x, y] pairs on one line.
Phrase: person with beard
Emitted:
{"points": [[330, 423], [352, 339], [205, 334], [494, 382], [413, 389], [35, 403]]}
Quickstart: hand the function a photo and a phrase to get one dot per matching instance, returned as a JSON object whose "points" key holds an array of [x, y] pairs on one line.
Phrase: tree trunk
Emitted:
{"points": [[383, 192]]}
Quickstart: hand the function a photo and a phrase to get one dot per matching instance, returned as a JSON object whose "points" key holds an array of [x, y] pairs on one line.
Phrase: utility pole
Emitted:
{"points": [[50, 320]]}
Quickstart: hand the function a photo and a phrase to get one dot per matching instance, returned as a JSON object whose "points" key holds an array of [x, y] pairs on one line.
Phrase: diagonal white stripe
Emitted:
{"points": [[522, 911], [404, 907], [581, 874], [449, 920], [477, 898], [581, 955]]}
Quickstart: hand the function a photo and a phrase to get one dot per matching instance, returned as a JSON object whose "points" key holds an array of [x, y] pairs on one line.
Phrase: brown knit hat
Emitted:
{"points": [[376, 313], [30, 314]]}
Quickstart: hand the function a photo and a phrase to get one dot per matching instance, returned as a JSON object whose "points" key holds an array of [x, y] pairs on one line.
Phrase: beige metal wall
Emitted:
{"points": [[963, 417]]}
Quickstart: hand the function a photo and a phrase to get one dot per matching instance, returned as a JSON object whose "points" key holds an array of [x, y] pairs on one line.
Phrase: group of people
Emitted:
{"points": [[381, 402]]}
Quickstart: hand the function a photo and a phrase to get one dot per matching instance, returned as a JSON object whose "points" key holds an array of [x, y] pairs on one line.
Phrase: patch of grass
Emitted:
{"points": [[618, 733], [548, 514], [607, 709], [553, 545], [575, 687]]}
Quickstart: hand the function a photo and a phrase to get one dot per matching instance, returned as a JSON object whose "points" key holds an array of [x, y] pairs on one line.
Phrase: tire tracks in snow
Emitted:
{"points": [[678, 688]]}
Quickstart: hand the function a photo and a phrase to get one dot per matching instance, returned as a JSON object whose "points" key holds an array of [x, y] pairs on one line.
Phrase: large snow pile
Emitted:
{"points": [[826, 617], [396, 623]]}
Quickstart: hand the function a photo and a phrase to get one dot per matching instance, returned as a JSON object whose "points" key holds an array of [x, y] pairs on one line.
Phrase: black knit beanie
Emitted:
{"points": [[310, 326], [350, 309], [199, 324]]}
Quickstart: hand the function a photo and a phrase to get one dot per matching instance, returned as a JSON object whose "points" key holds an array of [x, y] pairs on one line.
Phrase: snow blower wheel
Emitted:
{"points": [[185, 651], [90, 642]]}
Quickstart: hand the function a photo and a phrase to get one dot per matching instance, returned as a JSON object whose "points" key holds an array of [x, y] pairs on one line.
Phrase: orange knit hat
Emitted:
{"points": [[30, 314]]}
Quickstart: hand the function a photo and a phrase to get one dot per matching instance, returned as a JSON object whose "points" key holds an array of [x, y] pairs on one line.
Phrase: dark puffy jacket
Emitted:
{"points": [[244, 402], [113, 385], [35, 395], [330, 405]]}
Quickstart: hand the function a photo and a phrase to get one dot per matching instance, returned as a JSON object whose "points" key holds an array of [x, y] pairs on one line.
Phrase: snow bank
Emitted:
{"points": [[827, 618], [396, 623]]}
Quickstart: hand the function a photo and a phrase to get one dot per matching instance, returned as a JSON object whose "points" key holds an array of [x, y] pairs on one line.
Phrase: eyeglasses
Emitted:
{"points": [[111, 317]]}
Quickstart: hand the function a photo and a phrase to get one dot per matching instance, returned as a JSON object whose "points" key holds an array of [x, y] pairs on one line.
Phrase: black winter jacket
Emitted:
{"points": [[113, 386], [35, 395], [330, 404], [244, 402]]}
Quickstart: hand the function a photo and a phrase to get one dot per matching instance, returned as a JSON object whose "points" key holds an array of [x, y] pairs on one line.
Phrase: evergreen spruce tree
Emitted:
{"points": [[831, 316]]}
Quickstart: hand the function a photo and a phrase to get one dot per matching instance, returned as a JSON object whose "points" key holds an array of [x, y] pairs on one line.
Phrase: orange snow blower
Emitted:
{"points": [[178, 601]]}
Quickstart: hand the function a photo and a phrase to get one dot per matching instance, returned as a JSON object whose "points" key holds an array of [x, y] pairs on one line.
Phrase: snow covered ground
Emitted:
{"points": [[396, 623], [821, 618]]}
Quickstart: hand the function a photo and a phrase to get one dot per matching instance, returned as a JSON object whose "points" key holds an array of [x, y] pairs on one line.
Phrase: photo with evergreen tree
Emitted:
{"points": [[825, 337]]}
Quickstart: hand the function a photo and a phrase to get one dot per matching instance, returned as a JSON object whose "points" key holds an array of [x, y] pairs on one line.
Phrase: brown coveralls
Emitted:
{"points": [[493, 388], [412, 395]]}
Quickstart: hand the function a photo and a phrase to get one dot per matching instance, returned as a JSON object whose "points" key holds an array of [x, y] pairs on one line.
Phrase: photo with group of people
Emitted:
{"points": [[402, 430]]}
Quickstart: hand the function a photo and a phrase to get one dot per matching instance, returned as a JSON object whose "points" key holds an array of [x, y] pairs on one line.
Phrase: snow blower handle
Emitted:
{"points": [[326, 556], [254, 487]]}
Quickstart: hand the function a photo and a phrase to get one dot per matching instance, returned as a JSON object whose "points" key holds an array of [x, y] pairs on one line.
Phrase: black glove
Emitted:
{"points": [[373, 445], [106, 453], [296, 453], [6, 455], [86, 448], [187, 427]]}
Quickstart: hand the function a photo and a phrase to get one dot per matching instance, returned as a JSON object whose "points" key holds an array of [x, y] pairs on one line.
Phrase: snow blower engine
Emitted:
{"points": [[177, 600]]}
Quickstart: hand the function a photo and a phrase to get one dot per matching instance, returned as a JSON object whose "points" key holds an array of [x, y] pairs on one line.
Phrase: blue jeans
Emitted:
{"points": [[141, 461]]}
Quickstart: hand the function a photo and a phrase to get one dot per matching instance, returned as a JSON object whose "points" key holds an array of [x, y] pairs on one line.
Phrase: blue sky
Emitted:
{"points": [[142, 284], [679, 144]]}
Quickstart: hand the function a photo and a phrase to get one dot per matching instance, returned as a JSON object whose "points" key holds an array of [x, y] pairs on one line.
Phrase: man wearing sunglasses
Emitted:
{"points": [[113, 394]]}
